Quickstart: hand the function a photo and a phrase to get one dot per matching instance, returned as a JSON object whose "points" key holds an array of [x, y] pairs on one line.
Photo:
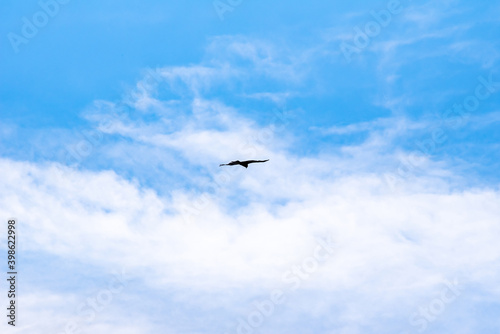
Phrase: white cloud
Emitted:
{"points": [[247, 227], [391, 245]]}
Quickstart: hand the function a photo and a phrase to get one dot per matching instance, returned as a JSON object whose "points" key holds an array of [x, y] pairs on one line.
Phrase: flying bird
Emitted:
{"points": [[242, 163]]}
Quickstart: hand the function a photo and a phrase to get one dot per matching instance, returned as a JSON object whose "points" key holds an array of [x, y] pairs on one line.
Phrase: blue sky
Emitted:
{"points": [[377, 212]]}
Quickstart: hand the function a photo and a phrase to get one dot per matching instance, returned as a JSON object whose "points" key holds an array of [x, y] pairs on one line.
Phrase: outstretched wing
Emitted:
{"points": [[232, 163], [242, 163], [253, 161]]}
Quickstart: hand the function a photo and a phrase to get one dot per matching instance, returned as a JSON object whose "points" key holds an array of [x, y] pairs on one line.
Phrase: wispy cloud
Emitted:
{"points": [[202, 244], [398, 248]]}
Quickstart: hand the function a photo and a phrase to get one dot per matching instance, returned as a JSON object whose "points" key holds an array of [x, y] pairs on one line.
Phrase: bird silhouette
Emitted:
{"points": [[242, 163]]}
